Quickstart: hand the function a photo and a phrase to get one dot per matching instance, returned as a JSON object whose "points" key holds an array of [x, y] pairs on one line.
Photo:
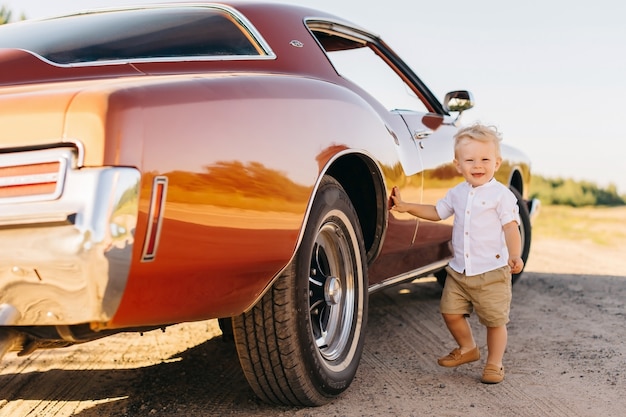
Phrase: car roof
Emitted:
{"points": [[85, 39]]}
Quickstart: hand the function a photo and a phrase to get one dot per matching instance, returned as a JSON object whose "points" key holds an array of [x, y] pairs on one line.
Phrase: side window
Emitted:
{"points": [[366, 69]]}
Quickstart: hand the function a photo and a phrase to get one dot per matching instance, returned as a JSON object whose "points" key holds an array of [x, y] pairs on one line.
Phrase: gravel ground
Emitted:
{"points": [[566, 357]]}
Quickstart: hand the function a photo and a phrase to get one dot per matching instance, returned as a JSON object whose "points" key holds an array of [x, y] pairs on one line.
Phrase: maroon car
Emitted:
{"points": [[234, 161]]}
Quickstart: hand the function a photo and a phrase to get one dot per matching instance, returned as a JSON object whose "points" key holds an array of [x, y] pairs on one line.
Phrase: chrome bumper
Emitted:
{"points": [[66, 260]]}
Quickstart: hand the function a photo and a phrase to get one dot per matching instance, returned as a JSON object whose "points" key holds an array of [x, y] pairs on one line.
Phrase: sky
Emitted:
{"points": [[550, 74]]}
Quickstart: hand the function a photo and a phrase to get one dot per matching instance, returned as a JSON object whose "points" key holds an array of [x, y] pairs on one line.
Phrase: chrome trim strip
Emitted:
{"points": [[333, 26], [408, 276], [165, 60], [28, 179], [80, 158], [152, 60]]}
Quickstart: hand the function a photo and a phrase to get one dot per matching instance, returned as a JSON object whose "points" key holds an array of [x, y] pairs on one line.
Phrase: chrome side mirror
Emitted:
{"points": [[458, 101]]}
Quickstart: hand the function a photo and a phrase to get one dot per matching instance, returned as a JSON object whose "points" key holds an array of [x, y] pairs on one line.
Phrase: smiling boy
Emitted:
{"points": [[487, 249]]}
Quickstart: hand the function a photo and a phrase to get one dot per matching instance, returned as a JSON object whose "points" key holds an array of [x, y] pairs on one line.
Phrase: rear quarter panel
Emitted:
{"points": [[242, 155]]}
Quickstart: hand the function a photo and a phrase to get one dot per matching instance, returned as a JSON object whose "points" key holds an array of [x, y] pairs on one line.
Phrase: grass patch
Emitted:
{"points": [[600, 225]]}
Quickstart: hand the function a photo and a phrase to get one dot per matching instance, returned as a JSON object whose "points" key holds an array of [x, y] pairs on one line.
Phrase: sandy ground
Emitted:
{"points": [[566, 357]]}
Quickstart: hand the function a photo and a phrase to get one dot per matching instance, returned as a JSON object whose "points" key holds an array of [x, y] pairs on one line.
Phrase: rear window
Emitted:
{"points": [[136, 34]]}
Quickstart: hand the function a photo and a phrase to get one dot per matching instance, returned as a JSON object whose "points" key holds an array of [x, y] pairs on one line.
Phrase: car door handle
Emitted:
{"points": [[422, 134]]}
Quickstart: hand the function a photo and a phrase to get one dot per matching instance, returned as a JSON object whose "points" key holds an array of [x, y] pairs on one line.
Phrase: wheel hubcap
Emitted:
{"points": [[332, 291]]}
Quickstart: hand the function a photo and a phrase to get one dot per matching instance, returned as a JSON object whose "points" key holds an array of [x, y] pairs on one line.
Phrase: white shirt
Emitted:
{"points": [[480, 213]]}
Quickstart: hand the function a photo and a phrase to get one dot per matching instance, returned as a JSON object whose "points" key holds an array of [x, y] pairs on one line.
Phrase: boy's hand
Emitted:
{"points": [[394, 199], [516, 264]]}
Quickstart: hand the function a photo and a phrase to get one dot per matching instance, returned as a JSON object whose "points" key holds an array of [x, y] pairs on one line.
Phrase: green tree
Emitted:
{"points": [[5, 15]]}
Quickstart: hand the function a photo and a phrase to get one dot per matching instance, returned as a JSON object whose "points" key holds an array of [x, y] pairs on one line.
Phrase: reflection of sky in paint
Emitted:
{"points": [[548, 74]]}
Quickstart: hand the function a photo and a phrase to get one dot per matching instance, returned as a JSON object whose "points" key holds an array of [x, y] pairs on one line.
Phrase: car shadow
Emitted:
{"points": [[209, 374]]}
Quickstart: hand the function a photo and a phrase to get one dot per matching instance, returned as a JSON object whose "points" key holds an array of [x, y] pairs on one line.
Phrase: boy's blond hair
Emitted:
{"points": [[480, 133]]}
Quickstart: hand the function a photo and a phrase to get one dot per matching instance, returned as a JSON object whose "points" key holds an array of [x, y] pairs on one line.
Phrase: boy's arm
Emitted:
{"points": [[424, 211], [514, 246]]}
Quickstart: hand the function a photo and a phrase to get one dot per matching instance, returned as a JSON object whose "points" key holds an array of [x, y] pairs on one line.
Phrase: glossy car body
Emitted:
{"points": [[202, 161]]}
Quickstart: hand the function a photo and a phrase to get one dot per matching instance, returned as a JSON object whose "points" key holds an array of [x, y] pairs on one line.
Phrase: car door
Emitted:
{"points": [[433, 135]]}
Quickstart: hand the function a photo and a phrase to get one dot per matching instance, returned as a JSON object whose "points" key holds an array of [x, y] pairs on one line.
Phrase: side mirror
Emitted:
{"points": [[458, 101]]}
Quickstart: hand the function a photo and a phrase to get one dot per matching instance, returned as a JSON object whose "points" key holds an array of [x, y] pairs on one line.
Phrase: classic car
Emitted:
{"points": [[181, 162]]}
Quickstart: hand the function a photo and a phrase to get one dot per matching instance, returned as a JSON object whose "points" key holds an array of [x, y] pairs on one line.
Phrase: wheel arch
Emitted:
{"points": [[516, 181], [362, 180]]}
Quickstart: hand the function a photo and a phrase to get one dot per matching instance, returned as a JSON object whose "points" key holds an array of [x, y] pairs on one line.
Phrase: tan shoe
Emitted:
{"points": [[492, 374], [456, 358]]}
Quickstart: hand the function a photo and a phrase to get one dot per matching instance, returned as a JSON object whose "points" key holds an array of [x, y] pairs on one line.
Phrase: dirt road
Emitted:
{"points": [[566, 357]]}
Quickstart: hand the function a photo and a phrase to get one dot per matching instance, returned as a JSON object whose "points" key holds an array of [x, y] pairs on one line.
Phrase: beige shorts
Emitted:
{"points": [[488, 294]]}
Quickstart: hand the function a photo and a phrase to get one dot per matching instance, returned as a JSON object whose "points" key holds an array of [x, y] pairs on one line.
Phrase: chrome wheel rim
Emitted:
{"points": [[332, 290]]}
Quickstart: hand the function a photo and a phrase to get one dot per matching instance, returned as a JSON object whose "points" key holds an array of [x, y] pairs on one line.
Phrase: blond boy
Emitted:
{"points": [[487, 249]]}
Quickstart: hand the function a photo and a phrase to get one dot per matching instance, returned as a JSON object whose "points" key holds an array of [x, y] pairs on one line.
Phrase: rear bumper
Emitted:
{"points": [[66, 260]]}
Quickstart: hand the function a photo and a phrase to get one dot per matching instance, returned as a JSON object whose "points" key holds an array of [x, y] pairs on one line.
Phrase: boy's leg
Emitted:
{"points": [[496, 344], [455, 306], [461, 330]]}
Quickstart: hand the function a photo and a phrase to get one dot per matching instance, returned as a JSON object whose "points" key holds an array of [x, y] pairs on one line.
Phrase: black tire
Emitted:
{"points": [[524, 229], [301, 344], [525, 232], [226, 326], [441, 275]]}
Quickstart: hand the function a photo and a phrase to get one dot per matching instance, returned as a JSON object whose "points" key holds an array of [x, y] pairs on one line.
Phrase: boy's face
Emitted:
{"points": [[477, 161]]}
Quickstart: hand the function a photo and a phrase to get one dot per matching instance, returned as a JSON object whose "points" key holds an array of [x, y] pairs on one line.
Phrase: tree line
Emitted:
{"points": [[568, 192]]}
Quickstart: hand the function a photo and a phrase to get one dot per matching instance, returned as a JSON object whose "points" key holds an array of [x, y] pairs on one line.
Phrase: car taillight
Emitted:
{"points": [[29, 180], [33, 175]]}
